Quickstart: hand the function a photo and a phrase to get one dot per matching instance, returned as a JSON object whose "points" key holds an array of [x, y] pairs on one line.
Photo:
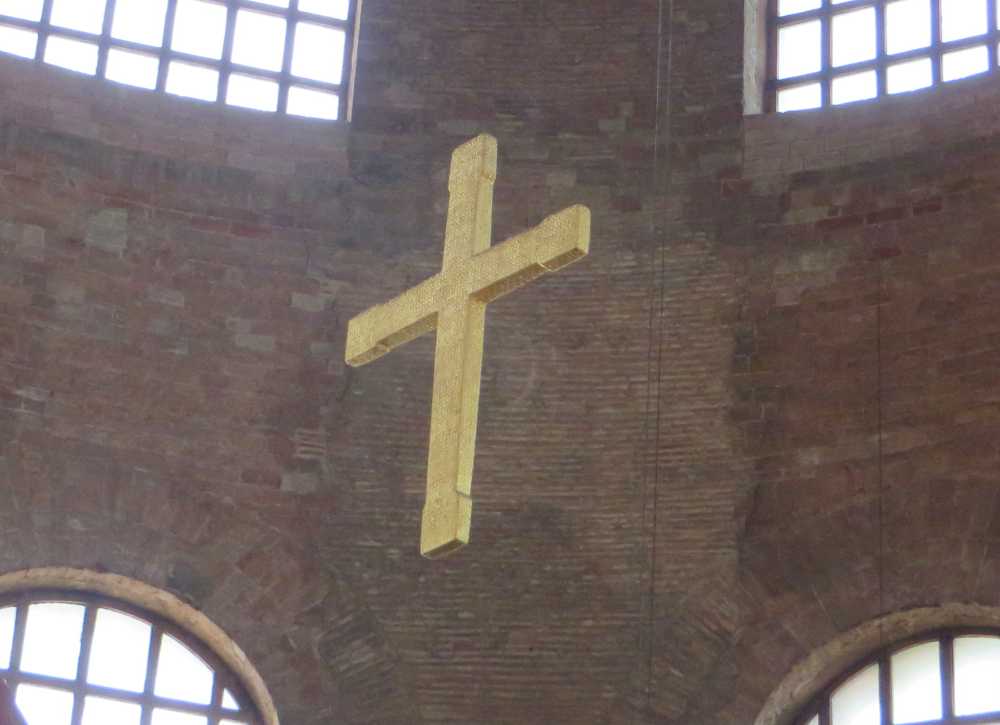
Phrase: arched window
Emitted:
{"points": [[76, 658], [286, 56], [952, 678], [831, 52]]}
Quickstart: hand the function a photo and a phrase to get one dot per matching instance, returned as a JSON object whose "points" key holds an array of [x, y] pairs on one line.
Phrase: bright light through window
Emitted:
{"points": [[199, 28], [18, 41], [84, 15], [913, 676], [24, 9], [862, 41], [251, 92], [140, 21], [134, 69], [278, 59], [86, 663]]}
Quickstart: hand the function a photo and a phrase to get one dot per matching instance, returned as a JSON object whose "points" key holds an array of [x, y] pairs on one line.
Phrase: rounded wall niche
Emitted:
{"points": [[845, 660], [79, 645]]}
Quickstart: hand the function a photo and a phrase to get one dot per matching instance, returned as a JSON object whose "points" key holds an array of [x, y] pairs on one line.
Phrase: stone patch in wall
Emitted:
{"points": [[108, 230]]}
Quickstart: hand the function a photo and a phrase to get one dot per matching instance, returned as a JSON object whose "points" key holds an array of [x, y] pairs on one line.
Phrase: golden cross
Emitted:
{"points": [[454, 303]]}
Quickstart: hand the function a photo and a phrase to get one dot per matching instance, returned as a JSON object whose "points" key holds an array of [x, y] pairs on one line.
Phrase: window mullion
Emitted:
{"points": [[936, 40], [826, 61], [17, 647], [44, 28], [286, 66], [217, 689], [948, 675], [881, 31], [152, 663], [824, 712], [104, 44], [885, 688], [86, 643], [226, 68], [168, 34], [991, 32]]}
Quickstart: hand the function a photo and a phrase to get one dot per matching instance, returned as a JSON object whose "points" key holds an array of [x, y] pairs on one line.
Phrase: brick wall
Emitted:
{"points": [[678, 467]]}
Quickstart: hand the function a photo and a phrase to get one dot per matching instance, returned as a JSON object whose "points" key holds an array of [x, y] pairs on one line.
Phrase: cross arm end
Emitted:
{"points": [[567, 235], [365, 343], [378, 330]]}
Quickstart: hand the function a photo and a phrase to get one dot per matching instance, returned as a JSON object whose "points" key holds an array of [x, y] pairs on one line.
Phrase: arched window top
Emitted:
{"points": [[952, 678], [832, 52], [285, 56], [77, 658]]}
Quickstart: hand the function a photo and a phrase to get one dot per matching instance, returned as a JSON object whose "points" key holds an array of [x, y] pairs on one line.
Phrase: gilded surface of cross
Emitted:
{"points": [[453, 302]]}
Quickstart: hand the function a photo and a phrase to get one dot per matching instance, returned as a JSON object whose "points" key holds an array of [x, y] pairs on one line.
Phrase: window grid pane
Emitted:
{"points": [[302, 49], [106, 681], [942, 679], [855, 50]]}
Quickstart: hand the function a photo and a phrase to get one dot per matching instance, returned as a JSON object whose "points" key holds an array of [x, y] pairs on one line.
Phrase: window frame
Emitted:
{"points": [[882, 60], [820, 703], [225, 678], [225, 66]]}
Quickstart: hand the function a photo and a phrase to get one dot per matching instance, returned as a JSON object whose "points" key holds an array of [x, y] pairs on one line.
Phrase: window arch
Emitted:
{"points": [[949, 678], [285, 56], [832, 52], [79, 658]]}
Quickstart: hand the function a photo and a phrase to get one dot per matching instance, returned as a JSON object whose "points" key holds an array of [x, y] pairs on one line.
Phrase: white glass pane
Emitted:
{"points": [[260, 40], [791, 7], [340, 8], [72, 54], [800, 98], [193, 81], [276, 3], [916, 684], [312, 103], [250, 92], [854, 36], [140, 21], [181, 675], [962, 19], [172, 717], [319, 52], [18, 41], [908, 25], [119, 652], [85, 15], [854, 87], [134, 69], [964, 63], [98, 711], [7, 617], [24, 9], [856, 702], [52, 639], [910, 76], [799, 49], [229, 702], [814, 721], [233, 722], [199, 28], [977, 675], [42, 706]]}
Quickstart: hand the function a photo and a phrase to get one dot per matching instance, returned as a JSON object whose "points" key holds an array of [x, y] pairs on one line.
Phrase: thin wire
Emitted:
{"points": [[657, 277], [881, 488]]}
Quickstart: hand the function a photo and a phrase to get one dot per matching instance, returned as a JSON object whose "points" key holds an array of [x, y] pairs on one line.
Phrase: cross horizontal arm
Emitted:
{"points": [[378, 330], [558, 241]]}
